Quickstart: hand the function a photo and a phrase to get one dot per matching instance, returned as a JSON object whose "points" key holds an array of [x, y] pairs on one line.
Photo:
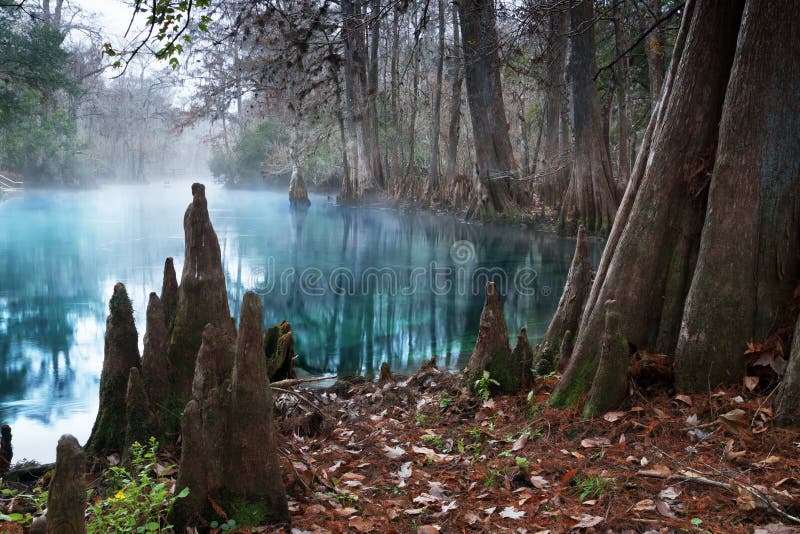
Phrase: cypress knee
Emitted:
{"points": [[121, 354], [66, 498]]}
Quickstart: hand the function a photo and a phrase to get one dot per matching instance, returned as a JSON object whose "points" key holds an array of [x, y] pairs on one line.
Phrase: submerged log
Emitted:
{"points": [[202, 295], [549, 351], [121, 354], [229, 442], [66, 498], [610, 383]]}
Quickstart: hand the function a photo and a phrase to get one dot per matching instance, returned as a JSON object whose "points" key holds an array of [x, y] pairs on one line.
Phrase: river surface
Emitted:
{"points": [[359, 286]]}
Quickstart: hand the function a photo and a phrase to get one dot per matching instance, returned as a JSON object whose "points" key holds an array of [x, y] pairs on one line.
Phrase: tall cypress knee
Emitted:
{"points": [[121, 354]]}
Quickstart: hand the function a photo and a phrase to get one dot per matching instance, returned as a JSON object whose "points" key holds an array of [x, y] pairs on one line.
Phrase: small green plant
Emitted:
{"points": [[436, 442], [592, 486], [522, 462], [138, 501], [227, 526], [444, 400], [421, 419], [484, 384], [37, 498], [475, 433]]}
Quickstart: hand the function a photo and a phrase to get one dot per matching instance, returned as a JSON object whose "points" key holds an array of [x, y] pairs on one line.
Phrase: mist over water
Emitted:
{"points": [[359, 286]]}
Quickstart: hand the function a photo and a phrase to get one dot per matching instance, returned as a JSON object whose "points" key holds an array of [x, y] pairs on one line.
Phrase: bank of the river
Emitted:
{"points": [[421, 455]]}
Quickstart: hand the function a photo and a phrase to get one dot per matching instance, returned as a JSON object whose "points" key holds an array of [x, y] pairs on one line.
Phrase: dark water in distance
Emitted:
{"points": [[360, 286]]}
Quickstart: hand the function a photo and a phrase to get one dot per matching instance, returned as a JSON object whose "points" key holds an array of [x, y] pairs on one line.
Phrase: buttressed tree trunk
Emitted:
{"points": [[121, 354], [703, 255], [592, 196], [554, 167], [493, 151]]}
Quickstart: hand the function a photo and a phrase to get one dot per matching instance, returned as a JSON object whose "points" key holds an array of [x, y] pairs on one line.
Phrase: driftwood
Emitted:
{"points": [[294, 381]]}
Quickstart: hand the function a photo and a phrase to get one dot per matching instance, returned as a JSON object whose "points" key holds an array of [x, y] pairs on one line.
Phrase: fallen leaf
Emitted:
{"points": [[593, 443], [745, 500], [686, 399], [646, 505], [588, 521], [361, 525], [520, 443], [471, 518], [344, 512], [751, 382], [394, 452], [664, 509], [539, 482], [657, 471], [352, 476], [669, 493], [613, 417], [509, 512], [734, 420], [428, 529], [415, 511]]}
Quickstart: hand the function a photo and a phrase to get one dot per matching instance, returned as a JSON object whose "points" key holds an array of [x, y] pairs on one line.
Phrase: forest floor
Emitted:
{"points": [[423, 455]]}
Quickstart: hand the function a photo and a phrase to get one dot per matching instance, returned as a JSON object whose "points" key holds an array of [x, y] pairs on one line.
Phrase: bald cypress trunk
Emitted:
{"points": [[493, 151], [703, 255], [554, 167], [592, 196]]}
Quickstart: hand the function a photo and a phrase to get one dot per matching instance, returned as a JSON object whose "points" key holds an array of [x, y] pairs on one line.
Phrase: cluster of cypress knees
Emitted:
{"points": [[201, 378]]}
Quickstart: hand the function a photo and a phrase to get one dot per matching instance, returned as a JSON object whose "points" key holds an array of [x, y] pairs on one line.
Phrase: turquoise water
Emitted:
{"points": [[360, 286]]}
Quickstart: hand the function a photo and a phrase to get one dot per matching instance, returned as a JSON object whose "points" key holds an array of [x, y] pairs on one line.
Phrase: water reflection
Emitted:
{"points": [[62, 252]]}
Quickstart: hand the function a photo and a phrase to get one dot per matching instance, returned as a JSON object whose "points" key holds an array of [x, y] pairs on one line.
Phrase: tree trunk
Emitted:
{"points": [[433, 169], [611, 383], [355, 59], [592, 196], [554, 167], [654, 252], [788, 400], [373, 138], [494, 154], [743, 284], [655, 53], [457, 76], [621, 77], [397, 127]]}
